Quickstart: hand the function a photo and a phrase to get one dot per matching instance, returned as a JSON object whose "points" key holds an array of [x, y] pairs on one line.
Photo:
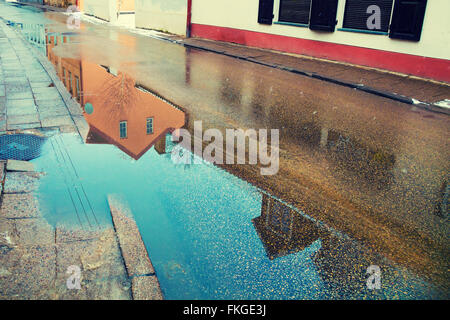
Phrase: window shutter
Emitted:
{"points": [[355, 16], [323, 15], [407, 20], [295, 11], [265, 13]]}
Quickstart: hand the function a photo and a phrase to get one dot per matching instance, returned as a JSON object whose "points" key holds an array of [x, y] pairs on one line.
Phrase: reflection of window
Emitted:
{"points": [[70, 83], [280, 217], [77, 88], [64, 76], [123, 129], [149, 125], [296, 11], [356, 16]]}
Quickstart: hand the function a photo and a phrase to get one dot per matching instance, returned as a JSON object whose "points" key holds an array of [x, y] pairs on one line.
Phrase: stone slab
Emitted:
{"points": [[146, 288], [17, 165], [57, 121], [29, 272], [24, 126], [20, 205], [133, 249], [21, 182], [32, 231], [23, 119]]}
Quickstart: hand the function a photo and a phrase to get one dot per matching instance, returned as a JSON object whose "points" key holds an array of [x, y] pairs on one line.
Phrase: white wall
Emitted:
{"points": [[243, 14], [104, 9], [166, 15]]}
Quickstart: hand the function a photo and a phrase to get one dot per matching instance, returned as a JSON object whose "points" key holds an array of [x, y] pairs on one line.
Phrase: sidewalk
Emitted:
{"points": [[36, 257], [401, 87]]}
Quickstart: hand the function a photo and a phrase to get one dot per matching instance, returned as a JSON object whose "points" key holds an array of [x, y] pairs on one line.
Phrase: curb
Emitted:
{"points": [[358, 86]]}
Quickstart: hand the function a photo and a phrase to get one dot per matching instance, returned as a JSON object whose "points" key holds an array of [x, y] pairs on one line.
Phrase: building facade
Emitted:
{"points": [[407, 36], [411, 37]]}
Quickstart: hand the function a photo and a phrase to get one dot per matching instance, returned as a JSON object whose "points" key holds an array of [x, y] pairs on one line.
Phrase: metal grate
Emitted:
{"points": [[20, 146]]}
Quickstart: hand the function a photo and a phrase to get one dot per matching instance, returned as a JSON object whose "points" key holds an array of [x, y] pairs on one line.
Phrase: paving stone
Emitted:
{"points": [[103, 274], [2, 90], [54, 112], [57, 121], [68, 129], [19, 95], [21, 205], [17, 165], [2, 104], [8, 235], [21, 182], [51, 105], [32, 125], [34, 230], [30, 272], [40, 84], [20, 104], [133, 249], [69, 234], [22, 119], [12, 80], [146, 288], [47, 94], [17, 87]]}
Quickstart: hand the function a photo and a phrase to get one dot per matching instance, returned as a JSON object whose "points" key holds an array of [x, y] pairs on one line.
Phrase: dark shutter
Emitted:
{"points": [[355, 16], [323, 15], [296, 11], [265, 13], [407, 20]]}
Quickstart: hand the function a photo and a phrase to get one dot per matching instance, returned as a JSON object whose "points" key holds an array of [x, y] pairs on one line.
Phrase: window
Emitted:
{"points": [[64, 76], [150, 125], [295, 11], [407, 19], [323, 15], [265, 11], [319, 15], [280, 218], [77, 88], [358, 13], [70, 83], [123, 129]]}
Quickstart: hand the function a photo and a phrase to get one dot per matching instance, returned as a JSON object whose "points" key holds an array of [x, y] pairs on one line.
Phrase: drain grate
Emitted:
{"points": [[20, 146]]}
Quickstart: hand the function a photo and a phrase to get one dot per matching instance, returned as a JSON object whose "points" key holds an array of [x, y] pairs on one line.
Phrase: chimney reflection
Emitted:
{"points": [[282, 230]]}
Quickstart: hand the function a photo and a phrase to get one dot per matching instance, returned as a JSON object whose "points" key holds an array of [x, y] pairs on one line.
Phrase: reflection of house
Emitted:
{"points": [[282, 230], [124, 114], [109, 10], [69, 70], [120, 112]]}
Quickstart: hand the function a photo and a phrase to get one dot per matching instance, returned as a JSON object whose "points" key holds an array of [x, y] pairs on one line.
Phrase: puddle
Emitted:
{"points": [[211, 234]]}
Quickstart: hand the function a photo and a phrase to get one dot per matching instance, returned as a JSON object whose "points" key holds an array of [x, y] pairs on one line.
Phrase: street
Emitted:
{"points": [[366, 166]]}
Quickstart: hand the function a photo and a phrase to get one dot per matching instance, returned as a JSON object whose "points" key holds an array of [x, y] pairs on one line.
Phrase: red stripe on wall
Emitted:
{"points": [[438, 69]]}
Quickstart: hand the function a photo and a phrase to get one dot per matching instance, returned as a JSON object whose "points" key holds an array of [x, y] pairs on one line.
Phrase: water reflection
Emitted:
{"points": [[282, 230], [338, 162], [121, 112]]}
